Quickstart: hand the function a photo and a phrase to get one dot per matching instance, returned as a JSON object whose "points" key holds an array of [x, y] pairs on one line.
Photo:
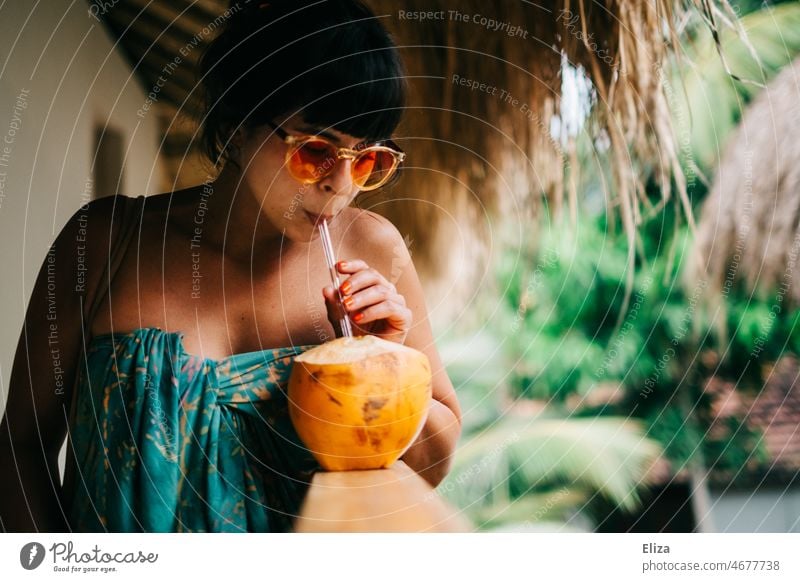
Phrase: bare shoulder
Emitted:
{"points": [[88, 237], [375, 239], [93, 223], [99, 214], [104, 215], [89, 228]]}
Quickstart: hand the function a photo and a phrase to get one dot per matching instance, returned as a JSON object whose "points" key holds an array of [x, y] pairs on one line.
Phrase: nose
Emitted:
{"points": [[340, 180]]}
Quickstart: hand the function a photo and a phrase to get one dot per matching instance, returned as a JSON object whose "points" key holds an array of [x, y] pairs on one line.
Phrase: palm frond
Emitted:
{"points": [[535, 508], [712, 102], [517, 457]]}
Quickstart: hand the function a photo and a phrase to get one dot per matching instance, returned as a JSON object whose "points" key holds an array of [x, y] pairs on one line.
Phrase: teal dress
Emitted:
{"points": [[166, 441]]}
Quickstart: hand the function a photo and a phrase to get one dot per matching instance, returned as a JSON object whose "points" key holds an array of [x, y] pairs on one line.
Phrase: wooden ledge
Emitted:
{"points": [[387, 500]]}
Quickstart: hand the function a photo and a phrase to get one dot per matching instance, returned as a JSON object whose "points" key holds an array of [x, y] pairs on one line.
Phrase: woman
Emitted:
{"points": [[172, 359]]}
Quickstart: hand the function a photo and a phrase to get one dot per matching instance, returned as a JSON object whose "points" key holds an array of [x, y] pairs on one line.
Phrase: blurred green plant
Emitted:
{"points": [[610, 377], [708, 99], [563, 340], [578, 346], [531, 469]]}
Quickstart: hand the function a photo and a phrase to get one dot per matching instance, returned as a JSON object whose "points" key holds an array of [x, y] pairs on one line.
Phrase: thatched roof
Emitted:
{"points": [[484, 162], [477, 157], [749, 230]]}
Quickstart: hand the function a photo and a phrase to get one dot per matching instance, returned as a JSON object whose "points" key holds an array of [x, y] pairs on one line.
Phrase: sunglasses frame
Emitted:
{"points": [[295, 142]]}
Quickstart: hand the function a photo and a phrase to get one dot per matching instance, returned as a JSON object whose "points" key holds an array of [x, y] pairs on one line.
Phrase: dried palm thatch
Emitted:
{"points": [[483, 162], [501, 152], [749, 231]]}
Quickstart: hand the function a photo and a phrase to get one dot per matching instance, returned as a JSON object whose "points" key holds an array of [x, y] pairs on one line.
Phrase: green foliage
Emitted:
{"points": [[518, 460], [761, 331], [579, 337], [573, 334], [546, 511], [563, 335], [707, 101], [681, 437], [616, 376]]}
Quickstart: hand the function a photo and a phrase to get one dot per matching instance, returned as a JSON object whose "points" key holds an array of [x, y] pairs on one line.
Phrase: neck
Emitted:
{"points": [[235, 223]]}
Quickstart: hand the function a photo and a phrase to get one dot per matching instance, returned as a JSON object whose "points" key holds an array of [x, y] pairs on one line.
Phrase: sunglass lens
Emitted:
{"points": [[373, 168], [312, 160]]}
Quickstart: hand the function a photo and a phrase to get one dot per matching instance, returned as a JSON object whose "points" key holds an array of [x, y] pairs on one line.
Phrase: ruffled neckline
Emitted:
{"points": [[178, 336]]}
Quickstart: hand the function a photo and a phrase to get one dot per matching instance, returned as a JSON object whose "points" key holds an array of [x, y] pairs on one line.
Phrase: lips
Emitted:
{"points": [[317, 219]]}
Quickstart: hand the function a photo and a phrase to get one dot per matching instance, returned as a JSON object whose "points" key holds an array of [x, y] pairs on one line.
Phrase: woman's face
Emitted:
{"points": [[292, 207]]}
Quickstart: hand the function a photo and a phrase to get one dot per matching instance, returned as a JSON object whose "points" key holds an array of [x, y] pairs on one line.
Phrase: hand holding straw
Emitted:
{"points": [[327, 247]]}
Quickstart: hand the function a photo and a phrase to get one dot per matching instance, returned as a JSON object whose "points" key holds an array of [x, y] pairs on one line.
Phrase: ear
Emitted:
{"points": [[238, 138], [236, 143]]}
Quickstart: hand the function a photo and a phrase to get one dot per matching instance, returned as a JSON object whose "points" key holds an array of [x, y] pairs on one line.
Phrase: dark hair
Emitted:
{"points": [[330, 61]]}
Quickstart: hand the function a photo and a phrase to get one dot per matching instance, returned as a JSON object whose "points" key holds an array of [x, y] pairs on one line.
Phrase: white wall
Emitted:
{"points": [[63, 62], [763, 511]]}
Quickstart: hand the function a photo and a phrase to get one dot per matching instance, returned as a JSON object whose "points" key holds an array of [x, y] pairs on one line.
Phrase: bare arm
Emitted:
{"points": [[45, 365], [431, 453], [385, 252]]}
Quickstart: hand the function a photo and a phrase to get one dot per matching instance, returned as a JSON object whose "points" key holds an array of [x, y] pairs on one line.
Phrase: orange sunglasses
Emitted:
{"points": [[310, 158]]}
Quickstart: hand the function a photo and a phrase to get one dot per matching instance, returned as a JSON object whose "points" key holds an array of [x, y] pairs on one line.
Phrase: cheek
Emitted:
{"points": [[268, 180], [285, 202], [262, 165]]}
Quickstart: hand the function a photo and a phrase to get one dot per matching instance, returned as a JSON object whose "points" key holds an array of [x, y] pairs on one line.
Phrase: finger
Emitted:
{"points": [[329, 293], [351, 266], [363, 279], [371, 296], [395, 315], [332, 304]]}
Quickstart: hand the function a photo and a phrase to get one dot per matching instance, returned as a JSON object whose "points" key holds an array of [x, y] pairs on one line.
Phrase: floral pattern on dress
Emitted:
{"points": [[166, 441]]}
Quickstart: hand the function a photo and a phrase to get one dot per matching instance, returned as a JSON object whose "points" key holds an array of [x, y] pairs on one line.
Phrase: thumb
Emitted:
{"points": [[333, 308], [330, 295]]}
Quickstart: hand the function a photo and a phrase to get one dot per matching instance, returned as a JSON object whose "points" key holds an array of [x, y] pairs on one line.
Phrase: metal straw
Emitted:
{"points": [[330, 258]]}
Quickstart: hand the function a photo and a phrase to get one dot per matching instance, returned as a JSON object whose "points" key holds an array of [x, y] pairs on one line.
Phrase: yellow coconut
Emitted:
{"points": [[359, 403]]}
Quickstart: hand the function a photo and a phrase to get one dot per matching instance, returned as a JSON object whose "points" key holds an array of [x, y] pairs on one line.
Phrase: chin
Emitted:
{"points": [[298, 232]]}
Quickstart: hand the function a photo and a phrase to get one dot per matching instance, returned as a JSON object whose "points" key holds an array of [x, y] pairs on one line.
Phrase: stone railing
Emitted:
{"points": [[387, 500]]}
